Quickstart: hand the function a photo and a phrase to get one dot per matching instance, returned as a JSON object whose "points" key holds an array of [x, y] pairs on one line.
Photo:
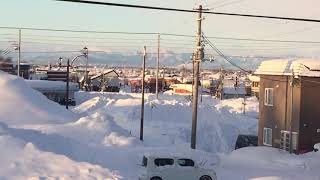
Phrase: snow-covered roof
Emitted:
{"points": [[234, 90], [105, 72], [254, 78], [298, 67], [51, 85]]}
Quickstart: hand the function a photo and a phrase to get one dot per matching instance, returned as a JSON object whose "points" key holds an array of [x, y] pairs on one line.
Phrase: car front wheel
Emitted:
{"points": [[205, 178], [156, 178]]}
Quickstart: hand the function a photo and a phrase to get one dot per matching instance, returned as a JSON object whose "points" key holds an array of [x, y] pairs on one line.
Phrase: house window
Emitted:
{"points": [[268, 97], [267, 136]]}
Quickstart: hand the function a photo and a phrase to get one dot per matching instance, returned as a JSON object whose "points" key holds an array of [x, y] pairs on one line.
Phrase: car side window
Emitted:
{"points": [[163, 161], [144, 161], [186, 162]]}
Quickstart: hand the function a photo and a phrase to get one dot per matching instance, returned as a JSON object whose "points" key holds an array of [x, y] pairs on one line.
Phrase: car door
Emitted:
{"points": [[185, 169], [165, 168]]}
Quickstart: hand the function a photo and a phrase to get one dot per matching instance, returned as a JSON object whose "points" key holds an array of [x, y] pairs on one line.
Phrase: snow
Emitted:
{"points": [[265, 163], [19, 101], [99, 138], [299, 67], [254, 78], [21, 160]]}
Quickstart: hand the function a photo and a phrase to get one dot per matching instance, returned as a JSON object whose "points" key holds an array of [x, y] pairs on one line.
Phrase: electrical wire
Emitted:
{"points": [[222, 55], [162, 34], [228, 4], [189, 11]]}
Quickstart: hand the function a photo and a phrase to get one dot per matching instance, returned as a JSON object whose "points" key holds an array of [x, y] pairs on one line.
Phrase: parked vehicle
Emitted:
{"points": [[246, 140], [316, 147], [174, 168]]}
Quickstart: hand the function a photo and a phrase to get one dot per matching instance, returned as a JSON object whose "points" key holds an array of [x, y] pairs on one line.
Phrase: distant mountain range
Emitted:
{"points": [[167, 59]]}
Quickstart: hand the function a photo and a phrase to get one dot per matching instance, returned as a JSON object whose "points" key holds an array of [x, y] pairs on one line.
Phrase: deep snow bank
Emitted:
{"points": [[21, 105], [22, 160], [268, 163], [168, 120]]}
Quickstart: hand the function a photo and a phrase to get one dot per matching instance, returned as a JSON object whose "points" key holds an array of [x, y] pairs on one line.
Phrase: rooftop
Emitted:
{"points": [[298, 67], [51, 85]]}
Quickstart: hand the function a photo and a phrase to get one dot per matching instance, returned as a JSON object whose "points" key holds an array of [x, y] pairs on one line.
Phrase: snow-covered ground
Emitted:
{"points": [[98, 139]]}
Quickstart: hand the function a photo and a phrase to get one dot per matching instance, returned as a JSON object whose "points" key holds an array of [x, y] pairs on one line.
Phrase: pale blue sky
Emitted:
{"points": [[62, 15]]}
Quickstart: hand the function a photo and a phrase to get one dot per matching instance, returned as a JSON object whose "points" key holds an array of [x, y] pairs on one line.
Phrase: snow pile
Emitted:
{"points": [[237, 106], [168, 120], [20, 104], [22, 160], [268, 163], [300, 67]]}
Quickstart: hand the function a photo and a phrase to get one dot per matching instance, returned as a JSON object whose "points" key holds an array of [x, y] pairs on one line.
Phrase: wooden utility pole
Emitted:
{"points": [[158, 63], [142, 92], [197, 59], [19, 54], [291, 114], [67, 88]]}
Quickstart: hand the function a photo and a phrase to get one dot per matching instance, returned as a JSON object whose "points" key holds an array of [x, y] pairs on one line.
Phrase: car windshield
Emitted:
{"points": [[163, 161], [185, 162]]}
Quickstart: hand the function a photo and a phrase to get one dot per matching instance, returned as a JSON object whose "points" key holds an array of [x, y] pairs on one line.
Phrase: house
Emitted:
{"points": [[24, 70], [7, 67], [151, 84], [255, 85], [57, 75], [230, 92], [135, 84], [230, 88], [107, 81], [182, 88], [289, 105], [186, 89], [55, 90]]}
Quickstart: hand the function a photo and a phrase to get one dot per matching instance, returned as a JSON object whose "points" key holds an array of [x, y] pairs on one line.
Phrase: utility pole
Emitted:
{"points": [[197, 59], [67, 88], [142, 92], [158, 63], [86, 75], [291, 116], [244, 105], [19, 54]]}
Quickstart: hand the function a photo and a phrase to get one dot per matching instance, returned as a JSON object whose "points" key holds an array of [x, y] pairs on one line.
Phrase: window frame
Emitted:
{"points": [[144, 161], [267, 97], [264, 138], [186, 165], [158, 164]]}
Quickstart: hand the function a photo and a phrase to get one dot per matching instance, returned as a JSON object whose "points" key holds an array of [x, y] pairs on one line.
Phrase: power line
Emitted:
{"points": [[153, 33], [190, 11], [78, 31], [228, 3]]}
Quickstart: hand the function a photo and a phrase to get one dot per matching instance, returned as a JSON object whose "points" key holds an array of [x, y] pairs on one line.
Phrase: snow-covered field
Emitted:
{"points": [[99, 138]]}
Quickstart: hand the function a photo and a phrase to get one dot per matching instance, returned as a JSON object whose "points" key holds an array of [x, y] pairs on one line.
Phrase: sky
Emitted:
{"points": [[63, 15]]}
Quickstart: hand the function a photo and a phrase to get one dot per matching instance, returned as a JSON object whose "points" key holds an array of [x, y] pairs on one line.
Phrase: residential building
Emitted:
{"points": [[55, 90], [107, 81], [289, 105]]}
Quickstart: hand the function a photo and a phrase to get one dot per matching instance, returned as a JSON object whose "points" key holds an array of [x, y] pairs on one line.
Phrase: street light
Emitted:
{"points": [[16, 47], [60, 62], [85, 52]]}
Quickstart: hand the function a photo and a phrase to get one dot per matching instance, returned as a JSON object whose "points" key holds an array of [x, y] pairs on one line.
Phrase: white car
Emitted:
{"points": [[174, 168]]}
